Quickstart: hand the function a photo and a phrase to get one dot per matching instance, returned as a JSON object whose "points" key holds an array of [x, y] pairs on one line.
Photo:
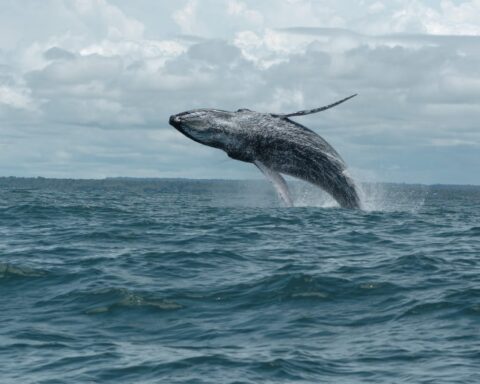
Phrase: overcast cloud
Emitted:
{"points": [[87, 86]]}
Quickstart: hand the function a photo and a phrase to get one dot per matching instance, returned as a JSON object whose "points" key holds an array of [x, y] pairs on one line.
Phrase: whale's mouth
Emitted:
{"points": [[175, 121]]}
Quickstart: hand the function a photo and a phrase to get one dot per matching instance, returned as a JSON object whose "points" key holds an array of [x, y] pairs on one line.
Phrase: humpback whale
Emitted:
{"points": [[276, 145]]}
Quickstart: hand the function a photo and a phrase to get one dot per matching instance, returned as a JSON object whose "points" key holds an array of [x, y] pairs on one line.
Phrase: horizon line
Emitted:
{"points": [[139, 178]]}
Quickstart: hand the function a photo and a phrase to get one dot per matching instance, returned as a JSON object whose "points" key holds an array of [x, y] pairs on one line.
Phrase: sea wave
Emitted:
{"points": [[214, 281]]}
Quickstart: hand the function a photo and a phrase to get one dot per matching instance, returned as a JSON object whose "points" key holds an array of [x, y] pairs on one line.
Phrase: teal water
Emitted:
{"points": [[178, 281]]}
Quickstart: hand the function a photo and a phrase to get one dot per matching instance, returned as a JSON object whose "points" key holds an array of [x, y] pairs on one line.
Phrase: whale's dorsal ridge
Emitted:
{"points": [[315, 110]]}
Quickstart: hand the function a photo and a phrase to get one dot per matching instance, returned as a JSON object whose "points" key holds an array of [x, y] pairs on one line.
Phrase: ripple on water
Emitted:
{"points": [[213, 281]]}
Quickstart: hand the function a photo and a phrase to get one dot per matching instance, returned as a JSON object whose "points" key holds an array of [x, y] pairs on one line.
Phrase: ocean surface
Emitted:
{"points": [[183, 281]]}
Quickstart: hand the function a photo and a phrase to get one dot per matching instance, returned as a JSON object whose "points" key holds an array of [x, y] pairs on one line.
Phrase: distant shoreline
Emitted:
{"points": [[185, 179]]}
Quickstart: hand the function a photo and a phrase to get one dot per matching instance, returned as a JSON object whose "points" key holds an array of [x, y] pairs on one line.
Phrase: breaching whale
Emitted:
{"points": [[276, 145]]}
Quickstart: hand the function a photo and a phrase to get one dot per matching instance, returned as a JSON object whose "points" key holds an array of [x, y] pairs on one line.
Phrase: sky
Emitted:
{"points": [[87, 86]]}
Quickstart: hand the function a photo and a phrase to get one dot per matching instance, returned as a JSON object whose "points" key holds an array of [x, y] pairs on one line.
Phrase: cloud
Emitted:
{"points": [[56, 53], [15, 98], [92, 93], [216, 18], [105, 19]]}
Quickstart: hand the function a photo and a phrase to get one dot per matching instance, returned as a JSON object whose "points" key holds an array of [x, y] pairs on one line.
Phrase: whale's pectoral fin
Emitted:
{"points": [[278, 182], [315, 110]]}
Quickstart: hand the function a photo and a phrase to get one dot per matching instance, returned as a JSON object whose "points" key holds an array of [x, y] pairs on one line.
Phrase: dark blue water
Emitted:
{"points": [[164, 281]]}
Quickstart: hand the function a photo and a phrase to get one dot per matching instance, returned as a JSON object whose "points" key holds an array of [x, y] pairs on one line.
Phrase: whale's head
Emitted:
{"points": [[212, 127]]}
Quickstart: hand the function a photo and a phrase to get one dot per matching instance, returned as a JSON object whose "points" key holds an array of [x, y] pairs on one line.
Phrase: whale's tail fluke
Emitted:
{"points": [[315, 110]]}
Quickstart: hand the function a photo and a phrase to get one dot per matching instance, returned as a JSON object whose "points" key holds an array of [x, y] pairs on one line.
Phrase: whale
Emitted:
{"points": [[276, 145]]}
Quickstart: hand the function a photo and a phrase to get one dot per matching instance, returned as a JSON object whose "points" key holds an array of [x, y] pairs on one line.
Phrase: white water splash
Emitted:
{"points": [[373, 196], [392, 197], [307, 195]]}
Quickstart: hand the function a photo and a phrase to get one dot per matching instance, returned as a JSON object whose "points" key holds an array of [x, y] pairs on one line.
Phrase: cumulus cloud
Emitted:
{"points": [[15, 97], [92, 93]]}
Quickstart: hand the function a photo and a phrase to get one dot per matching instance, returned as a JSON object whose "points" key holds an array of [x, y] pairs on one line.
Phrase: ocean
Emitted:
{"points": [[213, 281]]}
